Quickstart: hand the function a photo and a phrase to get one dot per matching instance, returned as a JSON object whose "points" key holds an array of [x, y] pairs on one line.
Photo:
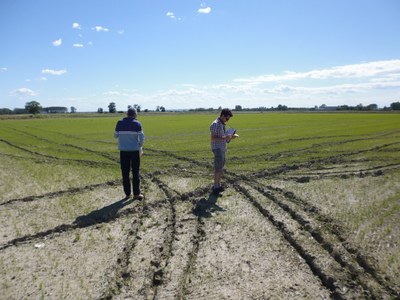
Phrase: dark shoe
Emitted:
{"points": [[138, 197], [128, 196]]}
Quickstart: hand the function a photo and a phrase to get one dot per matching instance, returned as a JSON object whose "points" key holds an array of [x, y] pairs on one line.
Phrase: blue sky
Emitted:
{"points": [[187, 54]]}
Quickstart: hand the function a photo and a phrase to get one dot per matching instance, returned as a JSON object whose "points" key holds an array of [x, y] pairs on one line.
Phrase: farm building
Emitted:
{"points": [[55, 110]]}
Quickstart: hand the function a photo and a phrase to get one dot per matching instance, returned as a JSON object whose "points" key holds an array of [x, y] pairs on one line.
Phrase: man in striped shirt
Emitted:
{"points": [[130, 142], [218, 146]]}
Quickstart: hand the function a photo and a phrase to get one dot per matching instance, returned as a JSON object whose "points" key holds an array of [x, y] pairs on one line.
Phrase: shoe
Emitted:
{"points": [[138, 197], [128, 196]]}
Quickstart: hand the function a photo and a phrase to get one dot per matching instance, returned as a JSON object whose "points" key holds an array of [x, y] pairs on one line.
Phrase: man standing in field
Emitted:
{"points": [[219, 139], [130, 142]]}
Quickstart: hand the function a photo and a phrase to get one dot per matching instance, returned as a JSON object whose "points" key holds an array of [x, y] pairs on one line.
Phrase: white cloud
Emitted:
{"points": [[121, 31], [24, 93], [3, 69], [77, 45], [377, 68], [43, 78], [170, 14], [90, 43], [57, 43], [76, 25], [204, 10], [100, 28], [54, 72]]}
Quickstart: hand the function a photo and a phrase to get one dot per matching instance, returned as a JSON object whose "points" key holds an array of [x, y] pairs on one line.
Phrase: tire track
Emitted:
{"points": [[98, 153], [77, 190], [121, 269], [176, 288], [326, 272], [166, 251], [68, 160], [343, 174], [346, 255], [334, 159], [93, 219]]}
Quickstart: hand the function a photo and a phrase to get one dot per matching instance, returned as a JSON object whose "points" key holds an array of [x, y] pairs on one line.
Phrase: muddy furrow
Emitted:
{"points": [[76, 190], [120, 273], [169, 237], [80, 161], [310, 149], [323, 266], [349, 257], [329, 242], [184, 243], [93, 219], [178, 157], [105, 155], [365, 172], [141, 264], [334, 159]]}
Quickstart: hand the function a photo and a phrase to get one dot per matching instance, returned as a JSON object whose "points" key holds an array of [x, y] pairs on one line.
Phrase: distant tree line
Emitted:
{"points": [[34, 107]]}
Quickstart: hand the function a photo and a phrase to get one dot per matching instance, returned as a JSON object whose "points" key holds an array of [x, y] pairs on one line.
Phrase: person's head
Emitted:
{"points": [[131, 112], [225, 115]]}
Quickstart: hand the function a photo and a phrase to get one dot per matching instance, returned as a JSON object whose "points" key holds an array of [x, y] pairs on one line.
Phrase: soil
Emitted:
{"points": [[254, 241]]}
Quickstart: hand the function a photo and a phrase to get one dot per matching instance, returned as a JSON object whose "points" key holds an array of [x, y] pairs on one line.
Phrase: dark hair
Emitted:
{"points": [[131, 112], [226, 112]]}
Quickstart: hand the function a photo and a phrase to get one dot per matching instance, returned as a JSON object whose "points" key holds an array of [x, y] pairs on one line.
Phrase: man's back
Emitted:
{"points": [[129, 133]]}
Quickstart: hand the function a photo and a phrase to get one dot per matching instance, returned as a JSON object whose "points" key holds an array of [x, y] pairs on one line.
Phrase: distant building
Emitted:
{"points": [[327, 108], [55, 110]]}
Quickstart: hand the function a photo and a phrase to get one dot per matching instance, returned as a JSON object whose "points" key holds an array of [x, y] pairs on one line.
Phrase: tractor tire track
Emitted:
{"points": [[120, 272], [179, 258], [364, 172], [142, 262], [50, 195], [328, 271], [82, 222], [329, 234], [67, 160], [335, 159]]}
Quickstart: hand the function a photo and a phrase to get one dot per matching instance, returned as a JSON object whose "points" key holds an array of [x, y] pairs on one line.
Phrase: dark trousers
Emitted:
{"points": [[130, 160]]}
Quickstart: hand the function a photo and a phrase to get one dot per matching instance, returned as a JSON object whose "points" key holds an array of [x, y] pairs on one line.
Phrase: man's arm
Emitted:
{"points": [[218, 134]]}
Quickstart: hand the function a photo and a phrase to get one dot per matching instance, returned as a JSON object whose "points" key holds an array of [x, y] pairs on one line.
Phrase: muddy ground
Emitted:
{"points": [[259, 239]]}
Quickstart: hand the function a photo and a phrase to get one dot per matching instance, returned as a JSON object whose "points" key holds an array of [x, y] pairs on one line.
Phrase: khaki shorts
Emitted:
{"points": [[219, 160]]}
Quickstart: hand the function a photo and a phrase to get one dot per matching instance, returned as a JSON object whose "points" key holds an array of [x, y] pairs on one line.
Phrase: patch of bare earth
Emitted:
{"points": [[262, 238]]}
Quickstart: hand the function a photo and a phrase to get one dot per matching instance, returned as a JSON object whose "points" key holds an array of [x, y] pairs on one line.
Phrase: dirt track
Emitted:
{"points": [[256, 241]]}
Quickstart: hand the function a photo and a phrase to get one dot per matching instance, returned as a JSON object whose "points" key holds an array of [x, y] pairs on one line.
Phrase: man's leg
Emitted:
{"points": [[217, 178], [136, 172], [219, 162], [125, 168]]}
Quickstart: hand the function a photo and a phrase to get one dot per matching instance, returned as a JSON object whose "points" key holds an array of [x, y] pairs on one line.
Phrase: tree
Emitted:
{"points": [[238, 108], [112, 108], [372, 107], [33, 107], [395, 106], [5, 111], [282, 107], [100, 110], [73, 109], [162, 108], [137, 107]]}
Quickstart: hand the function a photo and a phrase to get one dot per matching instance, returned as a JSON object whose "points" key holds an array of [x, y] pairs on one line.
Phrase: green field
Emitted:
{"points": [[345, 165]]}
